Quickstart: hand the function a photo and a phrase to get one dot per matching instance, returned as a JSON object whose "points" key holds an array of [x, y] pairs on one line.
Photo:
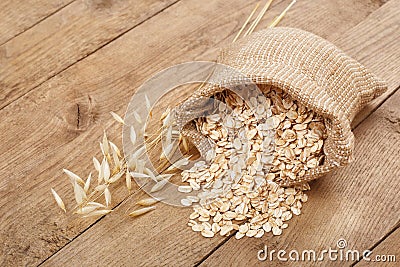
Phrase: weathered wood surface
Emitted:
{"points": [[358, 202], [19, 16], [61, 40], [58, 124], [383, 253], [375, 43]]}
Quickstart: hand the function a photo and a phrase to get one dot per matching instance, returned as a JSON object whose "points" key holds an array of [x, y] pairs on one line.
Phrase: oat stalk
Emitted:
{"points": [[246, 22]]}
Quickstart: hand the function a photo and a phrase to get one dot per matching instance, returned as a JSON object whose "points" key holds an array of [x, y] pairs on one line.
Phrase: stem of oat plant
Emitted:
{"points": [[279, 18], [259, 17], [246, 22]]}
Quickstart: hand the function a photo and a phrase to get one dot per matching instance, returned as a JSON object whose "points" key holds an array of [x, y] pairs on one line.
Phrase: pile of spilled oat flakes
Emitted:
{"points": [[255, 148]]}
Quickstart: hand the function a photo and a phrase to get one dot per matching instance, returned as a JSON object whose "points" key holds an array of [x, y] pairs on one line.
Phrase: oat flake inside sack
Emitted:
{"points": [[311, 70]]}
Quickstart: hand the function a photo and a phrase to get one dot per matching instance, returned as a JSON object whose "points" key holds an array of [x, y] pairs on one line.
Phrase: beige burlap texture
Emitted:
{"points": [[310, 69]]}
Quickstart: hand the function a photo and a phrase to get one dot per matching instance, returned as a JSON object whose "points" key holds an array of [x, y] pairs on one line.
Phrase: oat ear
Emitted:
{"points": [[58, 199]]}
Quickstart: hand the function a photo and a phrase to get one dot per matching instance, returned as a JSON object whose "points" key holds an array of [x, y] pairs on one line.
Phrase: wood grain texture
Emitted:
{"points": [[84, 26], [382, 254], [50, 137], [59, 123], [358, 203], [339, 203], [65, 38], [381, 54], [18, 16], [166, 227]]}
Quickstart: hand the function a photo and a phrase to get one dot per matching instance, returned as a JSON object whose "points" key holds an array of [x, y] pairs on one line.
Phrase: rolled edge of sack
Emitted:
{"points": [[310, 69]]}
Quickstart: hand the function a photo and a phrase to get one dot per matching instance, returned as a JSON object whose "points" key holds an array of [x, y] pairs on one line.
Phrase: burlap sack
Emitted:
{"points": [[312, 70]]}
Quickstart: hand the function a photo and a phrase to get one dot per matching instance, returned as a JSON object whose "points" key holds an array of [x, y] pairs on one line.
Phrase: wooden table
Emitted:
{"points": [[65, 64]]}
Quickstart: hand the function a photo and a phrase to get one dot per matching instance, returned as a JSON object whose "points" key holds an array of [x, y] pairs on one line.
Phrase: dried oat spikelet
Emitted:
{"points": [[107, 196], [104, 145], [86, 209], [58, 199], [160, 185], [178, 164], [96, 164], [137, 117], [166, 152], [116, 177], [165, 114], [97, 213], [117, 117], [74, 177], [100, 187], [148, 105], [96, 204], [142, 211], [79, 193], [133, 136], [185, 144], [115, 149], [139, 175], [147, 201], [106, 170], [128, 180], [87, 183]]}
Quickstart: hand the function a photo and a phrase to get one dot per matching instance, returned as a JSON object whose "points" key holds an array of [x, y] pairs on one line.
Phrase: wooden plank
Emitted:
{"points": [[46, 120], [358, 202], [18, 16], [61, 40], [384, 252], [384, 25], [166, 227], [65, 38]]}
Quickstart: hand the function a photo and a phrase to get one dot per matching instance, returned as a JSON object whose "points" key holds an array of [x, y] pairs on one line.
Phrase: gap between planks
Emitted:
{"points": [[90, 226], [88, 54], [383, 99], [381, 235], [385, 237], [359, 120], [37, 22], [213, 250], [30, 82], [397, 225]]}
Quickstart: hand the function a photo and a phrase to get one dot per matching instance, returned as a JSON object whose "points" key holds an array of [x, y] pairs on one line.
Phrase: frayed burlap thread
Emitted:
{"points": [[310, 69]]}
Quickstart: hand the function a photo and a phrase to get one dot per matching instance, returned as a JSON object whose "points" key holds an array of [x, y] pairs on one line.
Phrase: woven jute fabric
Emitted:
{"points": [[310, 69]]}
